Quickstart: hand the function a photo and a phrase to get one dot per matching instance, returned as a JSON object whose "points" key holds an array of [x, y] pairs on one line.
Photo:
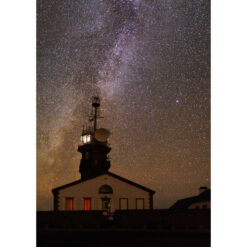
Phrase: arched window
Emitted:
{"points": [[105, 189]]}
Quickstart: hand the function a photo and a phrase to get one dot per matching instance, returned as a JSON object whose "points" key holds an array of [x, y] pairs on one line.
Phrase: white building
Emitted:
{"points": [[201, 201], [104, 192], [99, 189]]}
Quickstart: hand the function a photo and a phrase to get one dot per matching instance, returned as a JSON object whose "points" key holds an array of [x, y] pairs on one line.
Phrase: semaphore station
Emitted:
{"points": [[99, 189]]}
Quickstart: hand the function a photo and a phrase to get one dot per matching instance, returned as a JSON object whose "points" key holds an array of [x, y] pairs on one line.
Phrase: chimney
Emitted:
{"points": [[202, 189]]}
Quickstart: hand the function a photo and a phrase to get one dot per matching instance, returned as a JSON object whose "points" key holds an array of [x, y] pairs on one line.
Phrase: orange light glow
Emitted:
{"points": [[69, 204], [87, 204]]}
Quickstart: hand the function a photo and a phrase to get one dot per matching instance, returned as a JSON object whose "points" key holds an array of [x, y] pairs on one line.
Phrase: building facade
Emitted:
{"points": [[105, 192], [201, 201]]}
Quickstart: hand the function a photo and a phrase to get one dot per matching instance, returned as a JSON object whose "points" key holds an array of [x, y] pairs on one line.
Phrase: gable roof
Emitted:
{"points": [[108, 173], [185, 203], [130, 182]]}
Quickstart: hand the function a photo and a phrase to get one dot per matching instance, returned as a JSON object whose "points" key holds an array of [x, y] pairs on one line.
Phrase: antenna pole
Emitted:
{"points": [[95, 119], [95, 105]]}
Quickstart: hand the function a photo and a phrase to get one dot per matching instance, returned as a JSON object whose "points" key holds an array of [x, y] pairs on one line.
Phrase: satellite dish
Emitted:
{"points": [[101, 135]]}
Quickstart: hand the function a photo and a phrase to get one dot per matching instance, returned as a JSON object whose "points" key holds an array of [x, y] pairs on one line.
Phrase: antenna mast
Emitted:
{"points": [[95, 105]]}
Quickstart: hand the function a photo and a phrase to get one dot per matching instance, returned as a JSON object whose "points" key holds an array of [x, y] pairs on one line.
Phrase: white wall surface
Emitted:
{"points": [[90, 189]]}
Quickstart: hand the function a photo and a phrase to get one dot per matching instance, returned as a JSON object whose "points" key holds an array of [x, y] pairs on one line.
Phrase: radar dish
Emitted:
{"points": [[101, 135]]}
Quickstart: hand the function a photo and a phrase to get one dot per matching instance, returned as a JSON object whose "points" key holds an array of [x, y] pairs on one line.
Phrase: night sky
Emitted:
{"points": [[149, 62]]}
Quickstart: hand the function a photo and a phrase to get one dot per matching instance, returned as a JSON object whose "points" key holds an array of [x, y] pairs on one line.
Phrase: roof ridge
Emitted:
{"points": [[109, 173], [130, 182]]}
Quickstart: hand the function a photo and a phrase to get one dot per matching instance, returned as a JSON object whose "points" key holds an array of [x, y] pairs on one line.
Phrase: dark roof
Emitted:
{"points": [[130, 182], [67, 185], [110, 174], [203, 188], [185, 203]]}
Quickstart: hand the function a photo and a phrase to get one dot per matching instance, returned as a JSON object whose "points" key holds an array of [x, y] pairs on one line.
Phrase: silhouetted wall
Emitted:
{"points": [[158, 220], [145, 228]]}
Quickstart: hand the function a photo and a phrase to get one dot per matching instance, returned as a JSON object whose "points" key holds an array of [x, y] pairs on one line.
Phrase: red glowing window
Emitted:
{"points": [[87, 204], [69, 203]]}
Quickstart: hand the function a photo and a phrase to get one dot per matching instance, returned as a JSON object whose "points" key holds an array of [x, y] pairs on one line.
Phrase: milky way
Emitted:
{"points": [[149, 61]]}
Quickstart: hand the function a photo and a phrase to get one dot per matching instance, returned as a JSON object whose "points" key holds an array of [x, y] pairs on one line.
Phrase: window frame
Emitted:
{"points": [[142, 204], [90, 203], [123, 198], [111, 192], [72, 203], [108, 200]]}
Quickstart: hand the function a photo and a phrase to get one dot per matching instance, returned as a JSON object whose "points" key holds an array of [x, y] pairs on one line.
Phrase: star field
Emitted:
{"points": [[149, 61]]}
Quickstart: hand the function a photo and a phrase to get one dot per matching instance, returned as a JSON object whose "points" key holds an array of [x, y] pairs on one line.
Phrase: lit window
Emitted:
{"points": [[87, 204], [86, 138], [69, 204]]}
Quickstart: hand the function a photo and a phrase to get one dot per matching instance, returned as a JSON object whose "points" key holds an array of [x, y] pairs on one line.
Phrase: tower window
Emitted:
{"points": [[105, 189], [86, 138], [86, 155], [69, 204], [87, 204]]}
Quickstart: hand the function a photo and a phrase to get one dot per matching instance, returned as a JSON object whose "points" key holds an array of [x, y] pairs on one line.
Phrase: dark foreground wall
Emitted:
{"points": [[122, 239], [126, 228]]}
